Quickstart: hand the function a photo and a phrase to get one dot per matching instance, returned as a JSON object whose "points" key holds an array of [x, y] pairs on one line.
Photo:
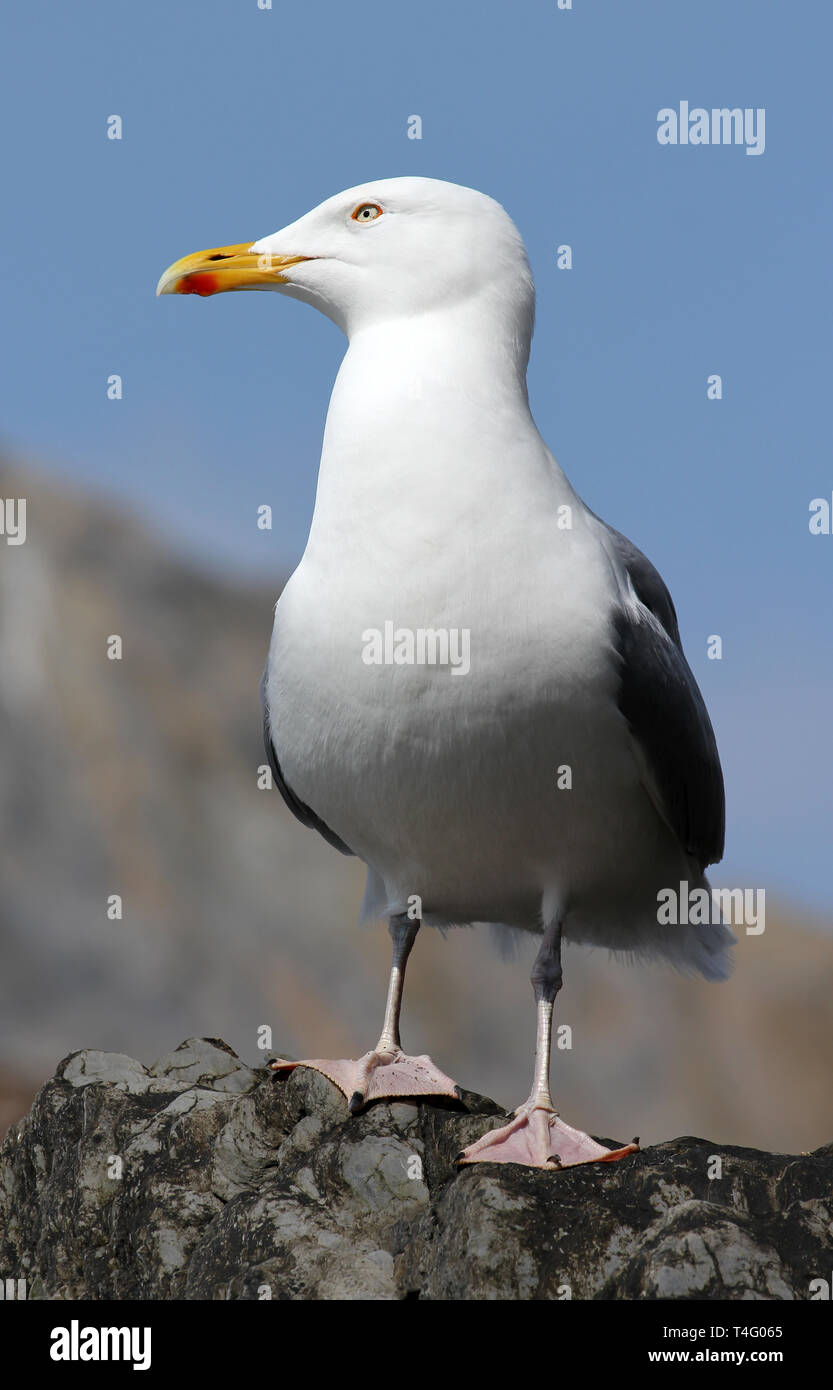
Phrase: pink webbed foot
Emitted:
{"points": [[538, 1138], [379, 1075]]}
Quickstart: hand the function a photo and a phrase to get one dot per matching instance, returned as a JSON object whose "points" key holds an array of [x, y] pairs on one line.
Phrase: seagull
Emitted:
{"points": [[474, 684]]}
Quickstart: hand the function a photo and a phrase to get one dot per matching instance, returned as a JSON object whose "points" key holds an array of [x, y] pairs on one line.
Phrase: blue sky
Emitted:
{"points": [[687, 261]]}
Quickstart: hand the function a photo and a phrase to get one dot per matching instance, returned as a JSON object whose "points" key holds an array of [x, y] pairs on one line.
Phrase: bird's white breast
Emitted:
{"points": [[447, 783]]}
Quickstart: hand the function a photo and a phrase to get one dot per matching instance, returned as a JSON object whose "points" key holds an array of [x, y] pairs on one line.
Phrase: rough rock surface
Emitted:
{"points": [[201, 1178]]}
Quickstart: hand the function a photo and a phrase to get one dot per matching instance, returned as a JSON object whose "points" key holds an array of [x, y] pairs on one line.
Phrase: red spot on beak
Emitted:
{"points": [[203, 282]]}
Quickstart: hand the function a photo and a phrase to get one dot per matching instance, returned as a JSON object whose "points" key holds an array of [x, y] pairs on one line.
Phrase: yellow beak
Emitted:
{"points": [[226, 268]]}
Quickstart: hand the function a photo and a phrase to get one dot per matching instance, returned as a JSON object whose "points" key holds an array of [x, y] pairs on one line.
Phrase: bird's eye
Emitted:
{"points": [[366, 212]]}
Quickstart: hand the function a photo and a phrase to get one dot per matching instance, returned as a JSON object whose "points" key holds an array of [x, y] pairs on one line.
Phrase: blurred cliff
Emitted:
{"points": [[138, 777]]}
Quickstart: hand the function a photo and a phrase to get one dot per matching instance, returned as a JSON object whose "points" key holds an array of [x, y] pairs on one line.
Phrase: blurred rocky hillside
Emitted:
{"points": [[138, 777]]}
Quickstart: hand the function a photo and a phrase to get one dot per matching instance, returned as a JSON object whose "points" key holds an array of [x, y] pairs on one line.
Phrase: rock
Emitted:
{"points": [[200, 1178]]}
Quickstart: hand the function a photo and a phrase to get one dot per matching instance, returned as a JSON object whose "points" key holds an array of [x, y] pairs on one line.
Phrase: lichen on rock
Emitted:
{"points": [[201, 1178]]}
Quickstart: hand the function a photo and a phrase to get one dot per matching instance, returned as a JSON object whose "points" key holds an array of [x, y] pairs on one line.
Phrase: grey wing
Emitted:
{"points": [[665, 711], [296, 806]]}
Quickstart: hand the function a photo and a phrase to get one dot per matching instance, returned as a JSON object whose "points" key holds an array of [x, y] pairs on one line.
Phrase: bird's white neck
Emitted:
{"points": [[470, 349], [410, 404]]}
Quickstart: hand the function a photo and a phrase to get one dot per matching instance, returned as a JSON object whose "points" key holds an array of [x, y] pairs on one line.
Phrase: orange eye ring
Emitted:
{"points": [[366, 212]]}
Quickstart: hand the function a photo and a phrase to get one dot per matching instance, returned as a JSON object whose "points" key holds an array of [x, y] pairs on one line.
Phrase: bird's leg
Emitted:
{"points": [[386, 1071], [547, 978], [403, 933], [536, 1136]]}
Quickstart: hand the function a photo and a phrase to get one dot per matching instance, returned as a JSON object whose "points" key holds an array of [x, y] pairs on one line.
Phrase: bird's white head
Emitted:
{"points": [[393, 249]]}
